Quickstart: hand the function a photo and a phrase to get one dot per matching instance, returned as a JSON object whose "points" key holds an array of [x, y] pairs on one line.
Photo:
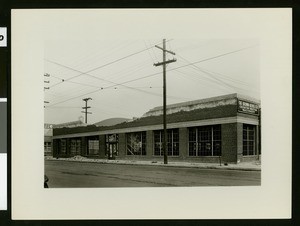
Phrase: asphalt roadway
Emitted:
{"points": [[65, 174]]}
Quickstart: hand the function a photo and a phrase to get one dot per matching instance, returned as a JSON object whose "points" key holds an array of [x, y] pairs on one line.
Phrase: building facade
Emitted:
{"points": [[220, 129], [48, 133]]}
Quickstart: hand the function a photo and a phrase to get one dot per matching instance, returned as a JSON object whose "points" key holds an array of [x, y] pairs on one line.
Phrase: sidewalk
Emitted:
{"points": [[246, 166]]}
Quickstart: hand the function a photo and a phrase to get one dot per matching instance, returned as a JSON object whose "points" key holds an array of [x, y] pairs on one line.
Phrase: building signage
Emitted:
{"points": [[247, 107]]}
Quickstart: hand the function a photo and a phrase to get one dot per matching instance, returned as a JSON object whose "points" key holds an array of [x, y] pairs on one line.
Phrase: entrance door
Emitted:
{"points": [[112, 151]]}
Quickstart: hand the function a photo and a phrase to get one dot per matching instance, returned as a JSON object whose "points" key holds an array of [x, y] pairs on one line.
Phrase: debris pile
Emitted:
{"points": [[78, 158]]}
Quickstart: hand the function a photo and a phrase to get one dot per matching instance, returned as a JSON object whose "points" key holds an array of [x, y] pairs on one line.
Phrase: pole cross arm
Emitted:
{"points": [[168, 51], [165, 62]]}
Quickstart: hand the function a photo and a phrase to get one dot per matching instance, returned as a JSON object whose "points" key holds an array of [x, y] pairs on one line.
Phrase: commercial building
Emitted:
{"points": [[48, 133], [224, 128]]}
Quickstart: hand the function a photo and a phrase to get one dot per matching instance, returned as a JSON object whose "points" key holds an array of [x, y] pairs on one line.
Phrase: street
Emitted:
{"points": [[65, 174]]}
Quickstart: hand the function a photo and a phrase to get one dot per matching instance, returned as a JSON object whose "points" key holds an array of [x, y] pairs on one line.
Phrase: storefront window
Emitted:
{"points": [[248, 139], [172, 142], [75, 148], [205, 141], [93, 146], [63, 146], [136, 143]]}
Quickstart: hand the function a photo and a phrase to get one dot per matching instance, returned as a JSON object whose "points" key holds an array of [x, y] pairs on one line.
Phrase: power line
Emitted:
{"points": [[115, 84], [147, 76], [94, 69], [198, 80], [210, 73], [86, 73]]}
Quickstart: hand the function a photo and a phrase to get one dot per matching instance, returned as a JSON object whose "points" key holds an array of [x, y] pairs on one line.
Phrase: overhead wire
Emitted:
{"points": [[106, 56], [102, 66], [148, 76], [151, 58], [199, 81], [212, 74]]}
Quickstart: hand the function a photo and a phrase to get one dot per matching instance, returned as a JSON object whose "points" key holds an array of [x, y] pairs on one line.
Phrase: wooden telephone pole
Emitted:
{"points": [[86, 108], [164, 64]]}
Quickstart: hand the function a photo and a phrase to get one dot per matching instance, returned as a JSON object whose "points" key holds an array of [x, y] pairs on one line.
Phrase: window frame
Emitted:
{"points": [[143, 140], [204, 142], [247, 128], [171, 133]]}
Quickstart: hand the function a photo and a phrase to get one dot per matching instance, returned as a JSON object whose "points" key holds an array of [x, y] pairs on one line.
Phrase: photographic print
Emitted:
{"points": [[104, 115], [120, 114]]}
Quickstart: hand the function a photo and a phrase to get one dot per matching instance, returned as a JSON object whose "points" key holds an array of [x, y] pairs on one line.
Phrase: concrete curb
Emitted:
{"points": [[148, 163]]}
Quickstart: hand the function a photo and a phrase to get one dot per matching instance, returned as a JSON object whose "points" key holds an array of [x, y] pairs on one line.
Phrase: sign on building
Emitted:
{"points": [[247, 107]]}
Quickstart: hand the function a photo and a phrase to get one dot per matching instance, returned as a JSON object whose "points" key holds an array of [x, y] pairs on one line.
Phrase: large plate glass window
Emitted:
{"points": [[75, 148], [205, 141], [63, 146], [248, 139], [172, 142], [93, 145], [136, 143]]}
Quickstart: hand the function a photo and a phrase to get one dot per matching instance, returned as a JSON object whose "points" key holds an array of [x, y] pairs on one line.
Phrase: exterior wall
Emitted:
{"points": [[122, 146], [84, 146], [183, 143], [230, 145], [231, 141], [68, 147], [250, 158], [55, 148], [102, 146], [149, 144], [239, 142], [222, 110], [203, 159]]}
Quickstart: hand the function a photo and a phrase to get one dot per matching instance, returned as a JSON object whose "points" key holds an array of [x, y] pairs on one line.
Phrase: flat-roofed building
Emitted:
{"points": [[224, 128]]}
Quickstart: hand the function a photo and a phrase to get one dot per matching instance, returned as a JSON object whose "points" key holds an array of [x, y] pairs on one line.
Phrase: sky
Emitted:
{"points": [[122, 81]]}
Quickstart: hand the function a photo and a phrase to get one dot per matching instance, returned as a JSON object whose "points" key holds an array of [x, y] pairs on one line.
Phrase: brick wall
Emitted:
{"points": [[68, 147], [55, 147], [102, 146], [229, 142], [183, 143], [239, 142], [83, 146], [149, 143], [122, 145]]}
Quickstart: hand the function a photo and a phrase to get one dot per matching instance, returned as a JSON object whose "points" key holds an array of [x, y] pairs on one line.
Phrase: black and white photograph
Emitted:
{"points": [[151, 114], [105, 121]]}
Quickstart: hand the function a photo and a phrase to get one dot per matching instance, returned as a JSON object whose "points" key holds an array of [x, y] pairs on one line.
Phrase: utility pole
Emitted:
{"points": [[86, 108], [164, 63], [46, 87]]}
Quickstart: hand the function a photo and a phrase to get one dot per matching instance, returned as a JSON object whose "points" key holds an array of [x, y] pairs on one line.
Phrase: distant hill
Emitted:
{"points": [[111, 121]]}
